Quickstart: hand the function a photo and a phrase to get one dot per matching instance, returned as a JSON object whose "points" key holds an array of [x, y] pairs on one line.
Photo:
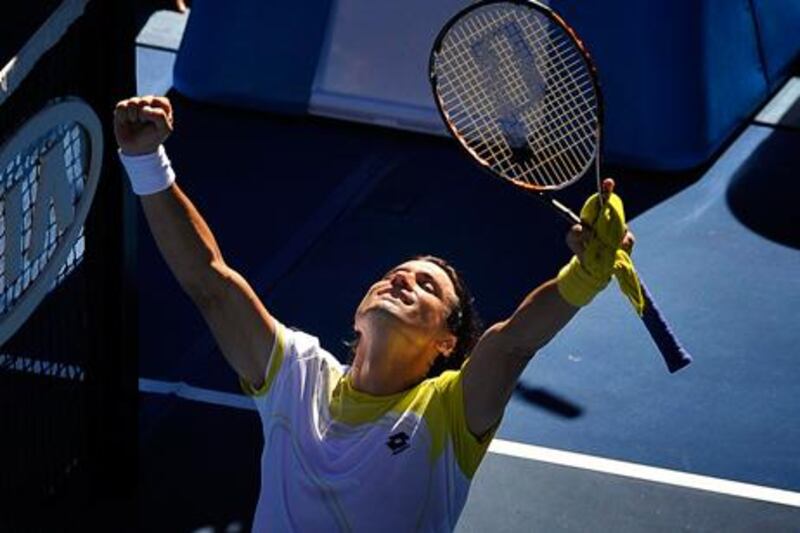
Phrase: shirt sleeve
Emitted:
{"points": [[469, 448], [276, 361]]}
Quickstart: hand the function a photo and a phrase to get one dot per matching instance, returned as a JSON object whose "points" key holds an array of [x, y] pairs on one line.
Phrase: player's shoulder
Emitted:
{"points": [[304, 347], [296, 356], [447, 382]]}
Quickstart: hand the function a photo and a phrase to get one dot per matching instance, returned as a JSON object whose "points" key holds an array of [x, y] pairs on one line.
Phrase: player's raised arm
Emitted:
{"points": [[505, 349], [243, 328]]}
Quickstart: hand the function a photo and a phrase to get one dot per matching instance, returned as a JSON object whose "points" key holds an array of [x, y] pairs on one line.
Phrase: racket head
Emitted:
{"points": [[517, 88]]}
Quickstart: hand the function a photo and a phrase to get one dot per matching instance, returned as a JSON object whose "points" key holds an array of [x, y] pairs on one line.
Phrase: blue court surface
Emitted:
{"points": [[598, 436]]}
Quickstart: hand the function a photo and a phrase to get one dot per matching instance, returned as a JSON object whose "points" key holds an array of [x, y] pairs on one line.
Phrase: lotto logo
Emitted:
{"points": [[398, 442]]}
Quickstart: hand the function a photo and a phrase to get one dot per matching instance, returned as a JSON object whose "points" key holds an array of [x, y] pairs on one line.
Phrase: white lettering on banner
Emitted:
{"points": [[50, 169]]}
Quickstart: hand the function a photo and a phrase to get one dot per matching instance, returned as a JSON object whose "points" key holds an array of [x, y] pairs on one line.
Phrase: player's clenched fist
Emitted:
{"points": [[142, 123]]}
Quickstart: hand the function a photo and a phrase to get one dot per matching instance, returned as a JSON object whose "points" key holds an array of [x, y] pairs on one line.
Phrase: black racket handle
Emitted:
{"points": [[674, 354]]}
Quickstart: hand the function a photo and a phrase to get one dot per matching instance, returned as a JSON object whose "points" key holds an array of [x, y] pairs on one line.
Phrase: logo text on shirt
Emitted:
{"points": [[398, 442]]}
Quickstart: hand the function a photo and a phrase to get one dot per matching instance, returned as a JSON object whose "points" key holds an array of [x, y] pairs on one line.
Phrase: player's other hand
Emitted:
{"points": [[142, 123]]}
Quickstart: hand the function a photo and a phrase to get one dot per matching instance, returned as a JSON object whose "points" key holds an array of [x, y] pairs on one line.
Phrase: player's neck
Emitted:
{"points": [[384, 365]]}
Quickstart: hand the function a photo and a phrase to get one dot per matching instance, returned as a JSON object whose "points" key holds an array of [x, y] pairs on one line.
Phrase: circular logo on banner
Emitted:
{"points": [[49, 171]]}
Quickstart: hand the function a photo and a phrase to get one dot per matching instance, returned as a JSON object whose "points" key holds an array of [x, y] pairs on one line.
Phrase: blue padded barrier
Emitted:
{"points": [[678, 76], [779, 29], [252, 53]]}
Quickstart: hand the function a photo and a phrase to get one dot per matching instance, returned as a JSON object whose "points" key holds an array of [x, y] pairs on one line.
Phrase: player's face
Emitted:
{"points": [[417, 294]]}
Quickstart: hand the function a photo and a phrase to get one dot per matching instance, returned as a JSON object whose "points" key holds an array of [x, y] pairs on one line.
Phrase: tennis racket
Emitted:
{"points": [[517, 88]]}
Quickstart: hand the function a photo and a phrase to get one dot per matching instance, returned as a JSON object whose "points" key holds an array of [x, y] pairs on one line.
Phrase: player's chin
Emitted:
{"points": [[389, 313], [383, 307]]}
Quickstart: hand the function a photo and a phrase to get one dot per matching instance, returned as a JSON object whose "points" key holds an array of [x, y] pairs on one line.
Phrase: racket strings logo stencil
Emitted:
{"points": [[49, 169], [511, 97]]}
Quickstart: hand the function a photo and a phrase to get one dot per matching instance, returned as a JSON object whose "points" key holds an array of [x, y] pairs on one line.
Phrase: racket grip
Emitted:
{"points": [[675, 356]]}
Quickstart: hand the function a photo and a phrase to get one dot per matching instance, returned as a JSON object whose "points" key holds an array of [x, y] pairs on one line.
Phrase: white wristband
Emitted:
{"points": [[149, 173]]}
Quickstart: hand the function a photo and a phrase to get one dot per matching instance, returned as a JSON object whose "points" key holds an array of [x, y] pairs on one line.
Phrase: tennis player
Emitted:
{"points": [[391, 441]]}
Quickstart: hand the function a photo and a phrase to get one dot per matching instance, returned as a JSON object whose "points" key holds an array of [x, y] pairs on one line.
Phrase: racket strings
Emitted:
{"points": [[465, 98], [488, 107], [24, 172]]}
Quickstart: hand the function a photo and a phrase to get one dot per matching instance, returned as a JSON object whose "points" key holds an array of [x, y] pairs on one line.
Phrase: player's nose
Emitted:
{"points": [[400, 280]]}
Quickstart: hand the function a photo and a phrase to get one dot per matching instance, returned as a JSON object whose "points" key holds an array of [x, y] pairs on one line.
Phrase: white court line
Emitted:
{"points": [[531, 452], [197, 394], [646, 473]]}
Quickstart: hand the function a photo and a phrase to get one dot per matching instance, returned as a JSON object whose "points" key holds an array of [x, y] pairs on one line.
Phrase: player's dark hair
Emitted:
{"points": [[463, 321]]}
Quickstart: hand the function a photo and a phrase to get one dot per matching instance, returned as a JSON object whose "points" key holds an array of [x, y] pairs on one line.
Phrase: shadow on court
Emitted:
{"points": [[548, 401], [764, 191]]}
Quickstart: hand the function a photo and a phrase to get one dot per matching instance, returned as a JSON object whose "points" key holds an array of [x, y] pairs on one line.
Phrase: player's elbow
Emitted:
{"points": [[207, 287]]}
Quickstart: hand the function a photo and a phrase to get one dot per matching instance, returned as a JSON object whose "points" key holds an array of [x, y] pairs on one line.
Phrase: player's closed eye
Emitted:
{"points": [[429, 286]]}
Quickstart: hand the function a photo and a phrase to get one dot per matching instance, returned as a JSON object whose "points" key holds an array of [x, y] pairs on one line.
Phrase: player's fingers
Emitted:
{"points": [[158, 101], [585, 233], [121, 112], [576, 239], [628, 241], [153, 112], [159, 117], [132, 111]]}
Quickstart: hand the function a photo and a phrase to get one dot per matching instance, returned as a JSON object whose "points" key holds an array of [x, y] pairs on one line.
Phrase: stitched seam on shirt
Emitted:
{"points": [[328, 492]]}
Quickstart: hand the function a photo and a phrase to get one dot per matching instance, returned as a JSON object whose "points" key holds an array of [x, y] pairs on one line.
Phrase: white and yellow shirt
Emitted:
{"points": [[336, 459]]}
